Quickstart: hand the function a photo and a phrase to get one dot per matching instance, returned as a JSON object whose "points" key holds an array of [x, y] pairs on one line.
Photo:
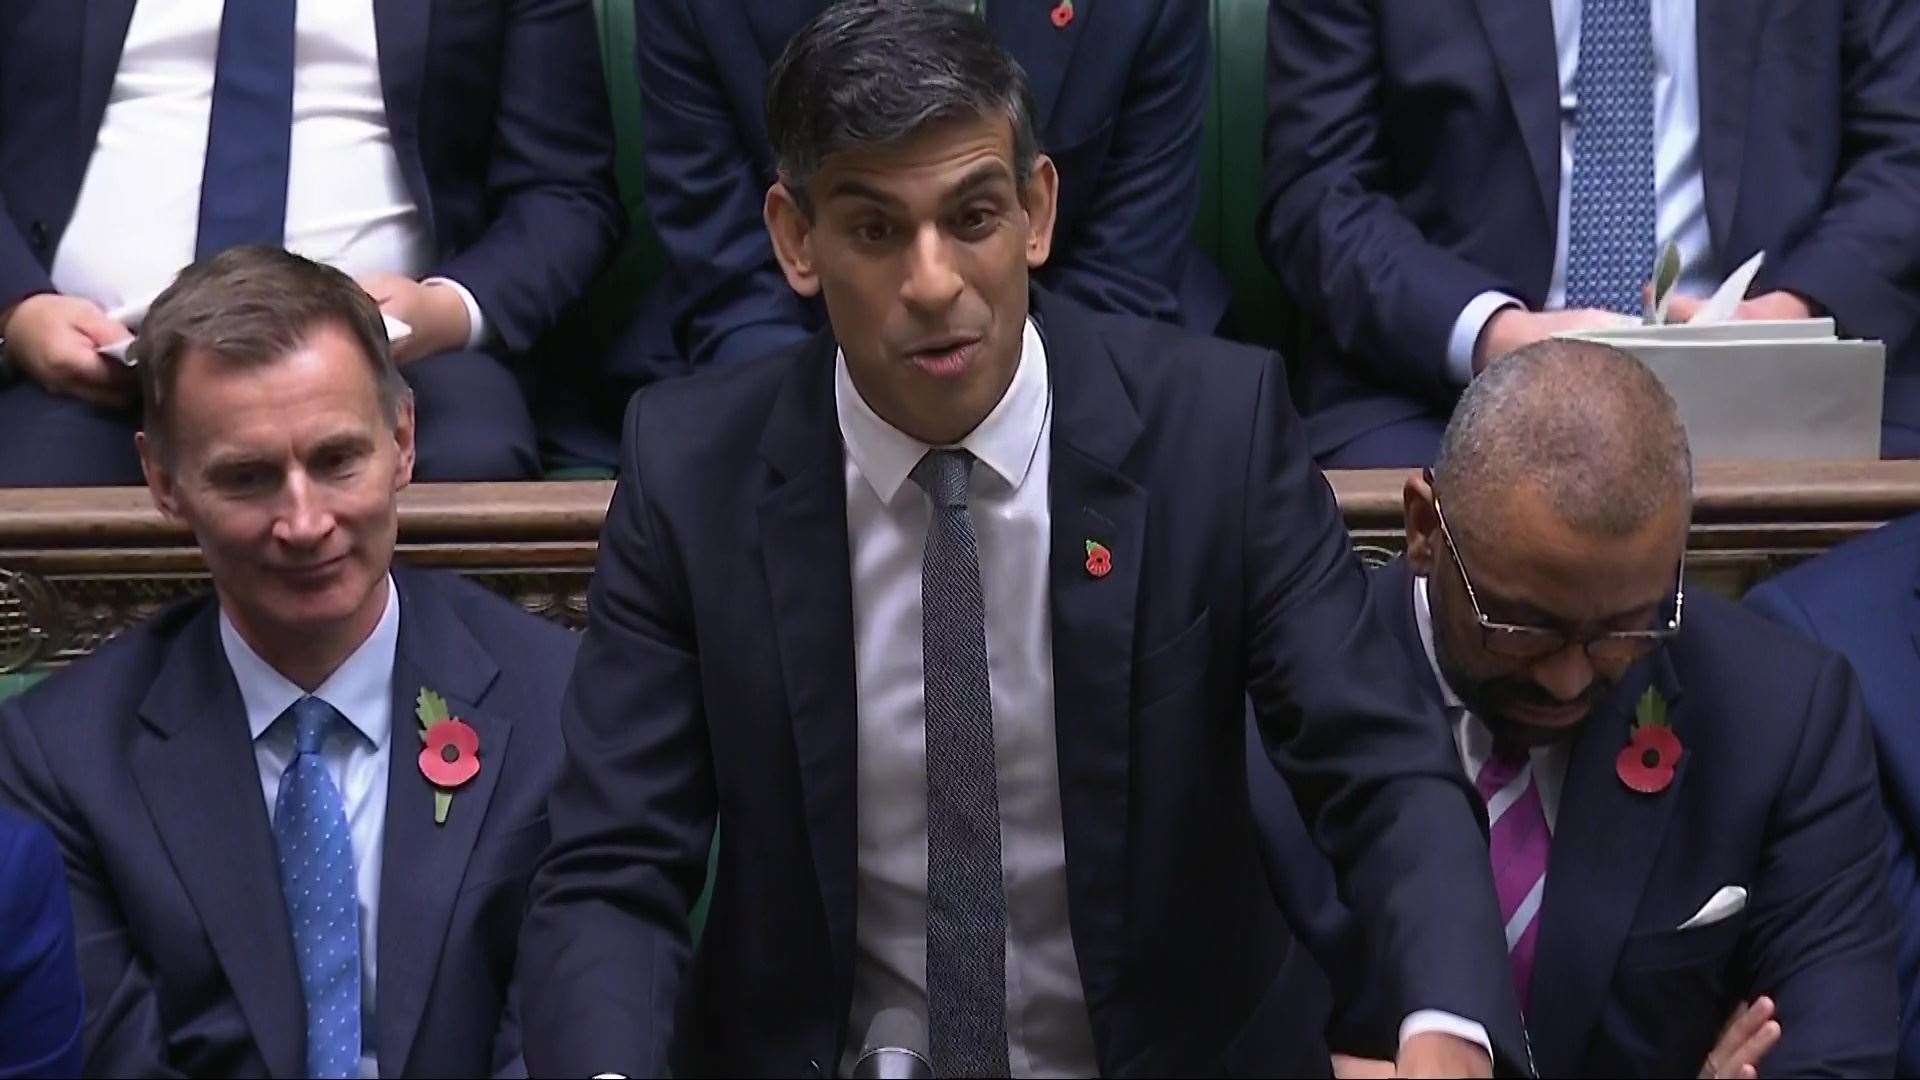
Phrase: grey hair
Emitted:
{"points": [[871, 73], [1583, 424]]}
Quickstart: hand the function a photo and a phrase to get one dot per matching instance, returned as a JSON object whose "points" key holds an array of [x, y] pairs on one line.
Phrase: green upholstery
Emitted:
{"points": [[1231, 179], [613, 298], [18, 682]]}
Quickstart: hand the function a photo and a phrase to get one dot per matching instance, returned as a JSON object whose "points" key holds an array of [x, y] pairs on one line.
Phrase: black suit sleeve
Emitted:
{"points": [[124, 1032], [1860, 258], [704, 197], [606, 938], [555, 213], [1353, 262], [1368, 756], [1820, 935]]}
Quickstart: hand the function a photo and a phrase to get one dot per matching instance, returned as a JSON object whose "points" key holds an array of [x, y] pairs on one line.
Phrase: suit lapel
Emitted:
{"points": [[1727, 33], [1092, 498], [401, 29], [1025, 29], [422, 863], [803, 539], [197, 774], [1607, 839], [1520, 33], [103, 38]]}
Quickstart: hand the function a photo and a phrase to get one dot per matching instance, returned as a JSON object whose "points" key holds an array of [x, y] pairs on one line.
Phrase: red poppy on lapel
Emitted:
{"points": [[1099, 559], [451, 756], [1063, 13], [1653, 751]]}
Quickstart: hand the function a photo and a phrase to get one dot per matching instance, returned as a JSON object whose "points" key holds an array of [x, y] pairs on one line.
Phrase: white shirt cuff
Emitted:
{"points": [[1423, 1021], [1466, 332], [476, 322]]}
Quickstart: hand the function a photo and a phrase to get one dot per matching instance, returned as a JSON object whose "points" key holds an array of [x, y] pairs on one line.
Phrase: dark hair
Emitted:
{"points": [[870, 73], [251, 306]]}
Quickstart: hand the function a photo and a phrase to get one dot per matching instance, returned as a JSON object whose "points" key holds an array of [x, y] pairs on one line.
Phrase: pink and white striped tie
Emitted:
{"points": [[1518, 847]]}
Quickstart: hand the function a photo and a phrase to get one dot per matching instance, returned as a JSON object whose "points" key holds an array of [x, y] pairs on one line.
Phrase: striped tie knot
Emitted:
{"points": [[943, 474]]}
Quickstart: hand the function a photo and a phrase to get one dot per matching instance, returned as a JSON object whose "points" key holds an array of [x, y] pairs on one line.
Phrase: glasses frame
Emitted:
{"points": [[1639, 642]]}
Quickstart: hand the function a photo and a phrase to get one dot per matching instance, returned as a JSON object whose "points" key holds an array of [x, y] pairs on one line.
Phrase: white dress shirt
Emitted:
{"points": [[138, 211], [1470, 734], [1680, 193], [1049, 1032], [361, 689]]}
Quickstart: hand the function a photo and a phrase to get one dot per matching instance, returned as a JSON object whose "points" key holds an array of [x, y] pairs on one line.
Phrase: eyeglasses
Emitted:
{"points": [[1516, 641]]}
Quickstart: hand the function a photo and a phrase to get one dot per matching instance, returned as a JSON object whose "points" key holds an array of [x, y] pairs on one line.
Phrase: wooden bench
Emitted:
{"points": [[78, 565]]}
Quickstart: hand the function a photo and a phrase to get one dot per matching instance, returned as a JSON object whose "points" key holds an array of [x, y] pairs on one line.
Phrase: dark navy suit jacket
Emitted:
{"points": [[1119, 96], [499, 117], [1775, 793], [140, 761], [1863, 600], [716, 683], [40, 1004], [1413, 162]]}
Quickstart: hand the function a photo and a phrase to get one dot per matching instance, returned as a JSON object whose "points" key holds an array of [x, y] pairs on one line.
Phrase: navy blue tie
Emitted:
{"points": [[317, 879], [1611, 211], [243, 185]]}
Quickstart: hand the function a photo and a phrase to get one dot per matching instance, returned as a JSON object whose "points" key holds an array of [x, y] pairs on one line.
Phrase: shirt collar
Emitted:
{"points": [[360, 689], [1423, 617], [1005, 442]]}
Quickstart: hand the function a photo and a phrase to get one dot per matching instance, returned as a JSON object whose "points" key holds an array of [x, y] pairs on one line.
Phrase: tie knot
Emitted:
{"points": [[312, 719], [942, 474]]}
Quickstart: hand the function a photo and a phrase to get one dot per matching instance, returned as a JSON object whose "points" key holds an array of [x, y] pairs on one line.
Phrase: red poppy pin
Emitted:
{"points": [[1647, 762], [452, 754], [1099, 559], [1062, 14]]}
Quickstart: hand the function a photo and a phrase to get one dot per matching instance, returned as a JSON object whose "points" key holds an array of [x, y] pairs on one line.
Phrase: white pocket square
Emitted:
{"points": [[1728, 902]]}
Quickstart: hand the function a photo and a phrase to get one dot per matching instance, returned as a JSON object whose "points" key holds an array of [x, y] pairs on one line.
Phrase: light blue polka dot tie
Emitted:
{"points": [[1611, 210], [316, 875]]}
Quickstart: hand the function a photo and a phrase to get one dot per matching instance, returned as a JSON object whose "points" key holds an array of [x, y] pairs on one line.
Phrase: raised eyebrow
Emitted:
{"points": [[855, 189], [986, 175]]}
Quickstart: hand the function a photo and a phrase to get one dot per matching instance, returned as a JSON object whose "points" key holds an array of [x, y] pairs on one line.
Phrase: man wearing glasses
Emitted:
{"points": [[1685, 822]]}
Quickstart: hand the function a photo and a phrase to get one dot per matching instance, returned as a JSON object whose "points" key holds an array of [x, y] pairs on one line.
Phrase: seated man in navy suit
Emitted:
{"points": [[1448, 180], [298, 816], [456, 158], [1862, 599], [40, 1004], [1686, 822], [1120, 91], [947, 620]]}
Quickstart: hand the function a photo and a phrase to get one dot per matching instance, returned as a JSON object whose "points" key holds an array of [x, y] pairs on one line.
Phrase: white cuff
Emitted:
{"points": [[1423, 1021], [1466, 332], [476, 322]]}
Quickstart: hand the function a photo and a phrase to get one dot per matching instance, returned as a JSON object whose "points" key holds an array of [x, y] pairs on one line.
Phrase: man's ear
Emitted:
{"points": [[160, 485], [791, 232], [1423, 524], [403, 430], [1041, 200]]}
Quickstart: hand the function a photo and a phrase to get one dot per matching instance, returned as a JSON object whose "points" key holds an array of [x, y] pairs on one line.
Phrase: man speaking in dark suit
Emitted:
{"points": [[948, 618], [298, 818], [1686, 821], [455, 156], [1449, 180]]}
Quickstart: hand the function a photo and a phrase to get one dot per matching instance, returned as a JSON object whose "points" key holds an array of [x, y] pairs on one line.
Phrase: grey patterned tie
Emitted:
{"points": [[1611, 213], [966, 904]]}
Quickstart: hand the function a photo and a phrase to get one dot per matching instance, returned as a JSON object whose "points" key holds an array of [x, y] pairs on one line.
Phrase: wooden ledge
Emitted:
{"points": [[79, 564]]}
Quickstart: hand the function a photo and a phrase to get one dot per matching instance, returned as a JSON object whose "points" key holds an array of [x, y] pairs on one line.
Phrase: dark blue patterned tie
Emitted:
{"points": [[1611, 210], [317, 879], [243, 185], [966, 903]]}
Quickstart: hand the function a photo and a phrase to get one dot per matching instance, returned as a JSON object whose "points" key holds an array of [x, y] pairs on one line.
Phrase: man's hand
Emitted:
{"points": [[55, 341], [1513, 328], [435, 312], [1349, 1067], [1774, 305], [1750, 1032], [1434, 1053]]}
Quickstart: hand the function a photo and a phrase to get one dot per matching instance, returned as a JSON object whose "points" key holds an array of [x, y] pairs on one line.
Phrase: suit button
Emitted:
{"points": [[37, 234]]}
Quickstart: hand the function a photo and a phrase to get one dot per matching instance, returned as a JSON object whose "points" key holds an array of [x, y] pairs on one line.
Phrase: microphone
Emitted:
{"points": [[887, 1052]]}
